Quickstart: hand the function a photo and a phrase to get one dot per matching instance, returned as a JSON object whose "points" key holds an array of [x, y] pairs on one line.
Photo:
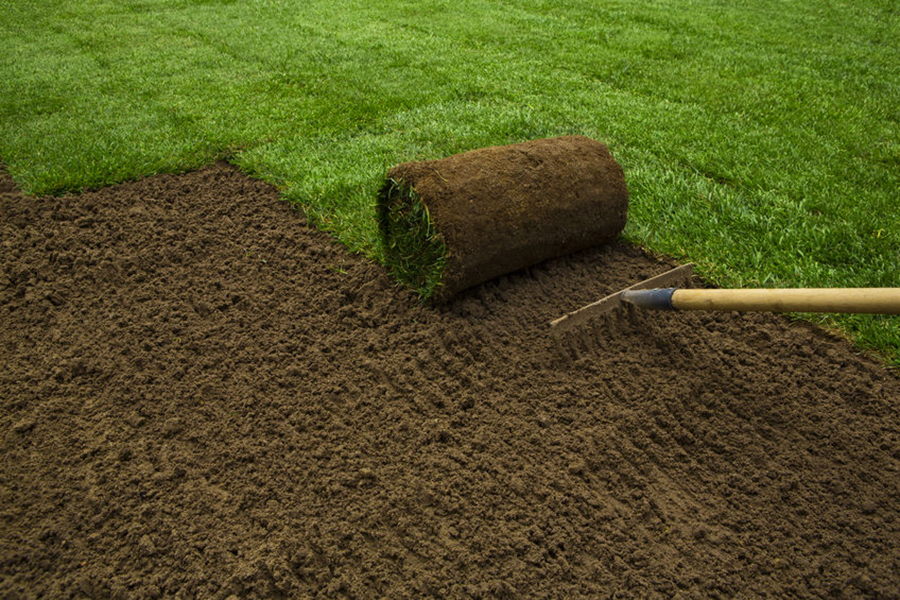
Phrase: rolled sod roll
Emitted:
{"points": [[449, 224]]}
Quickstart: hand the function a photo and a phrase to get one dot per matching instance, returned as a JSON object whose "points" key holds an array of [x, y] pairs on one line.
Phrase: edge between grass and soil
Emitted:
{"points": [[759, 141]]}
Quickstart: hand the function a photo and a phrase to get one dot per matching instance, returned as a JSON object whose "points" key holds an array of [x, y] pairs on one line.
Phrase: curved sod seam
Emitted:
{"points": [[414, 250]]}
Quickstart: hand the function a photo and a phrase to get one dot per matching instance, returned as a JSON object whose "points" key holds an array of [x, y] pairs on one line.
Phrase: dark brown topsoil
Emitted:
{"points": [[502, 208], [202, 398]]}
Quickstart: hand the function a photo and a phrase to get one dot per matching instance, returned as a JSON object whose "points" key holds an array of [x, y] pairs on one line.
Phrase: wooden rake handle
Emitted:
{"points": [[885, 301]]}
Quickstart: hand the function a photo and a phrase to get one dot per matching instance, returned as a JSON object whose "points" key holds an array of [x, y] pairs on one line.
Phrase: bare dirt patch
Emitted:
{"points": [[202, 397]]}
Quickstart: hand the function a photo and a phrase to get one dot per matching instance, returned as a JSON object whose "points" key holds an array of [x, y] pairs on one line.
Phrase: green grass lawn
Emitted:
{"points": [[760, 139]]}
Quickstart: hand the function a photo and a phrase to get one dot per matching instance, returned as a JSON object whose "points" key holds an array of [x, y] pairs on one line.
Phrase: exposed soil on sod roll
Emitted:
{"points": [[202, 397], [503, 208]]}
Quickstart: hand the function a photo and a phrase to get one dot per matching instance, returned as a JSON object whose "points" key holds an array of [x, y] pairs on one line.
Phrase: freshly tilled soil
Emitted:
{"points": [[201, 397]]}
